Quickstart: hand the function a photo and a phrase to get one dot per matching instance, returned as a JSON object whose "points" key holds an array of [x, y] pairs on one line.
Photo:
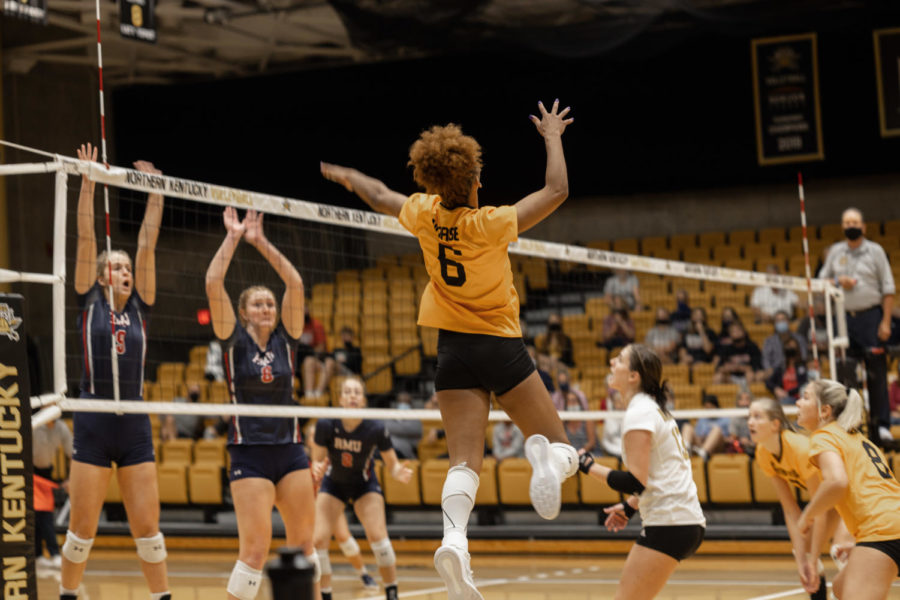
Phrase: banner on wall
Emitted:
{"points": [[17, 577], [786, 99], [137, 20], [887, 75], [29, 10]]}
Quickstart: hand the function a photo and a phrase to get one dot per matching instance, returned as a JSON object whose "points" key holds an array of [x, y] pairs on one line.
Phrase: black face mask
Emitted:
{"points": [[194, 396], [564, 386], [791, 352], [853, 233], [663, 321], [554, 327]]}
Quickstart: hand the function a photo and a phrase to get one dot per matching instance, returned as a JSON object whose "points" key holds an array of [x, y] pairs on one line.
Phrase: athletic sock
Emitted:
{"points": [[326, 594], [390, 591], [167, 595]]}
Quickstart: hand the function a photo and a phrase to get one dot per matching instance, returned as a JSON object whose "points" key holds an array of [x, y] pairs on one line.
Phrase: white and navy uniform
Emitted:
{"points": [[672, 520], [266, 447], [104, 438], [351, 473]]}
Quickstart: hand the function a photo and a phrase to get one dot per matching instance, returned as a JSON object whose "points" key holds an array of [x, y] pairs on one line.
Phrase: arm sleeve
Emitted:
{"points": [[409, 212]]}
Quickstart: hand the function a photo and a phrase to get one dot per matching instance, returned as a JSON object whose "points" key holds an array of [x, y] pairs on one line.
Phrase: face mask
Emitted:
{"points": [[564, 386], [812, 375], [194, 396], [348, 345], [782, 326], [554, 327], [573, 407], [403, 406], [791, 352], [662, 321], [853, 233]]}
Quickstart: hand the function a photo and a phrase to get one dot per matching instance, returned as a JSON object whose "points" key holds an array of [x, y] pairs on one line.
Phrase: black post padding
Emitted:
{"points": [[17, 577], [291, 575]]}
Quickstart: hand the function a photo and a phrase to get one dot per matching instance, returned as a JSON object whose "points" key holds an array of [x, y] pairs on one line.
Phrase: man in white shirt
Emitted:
{"points": [[767, 301]]}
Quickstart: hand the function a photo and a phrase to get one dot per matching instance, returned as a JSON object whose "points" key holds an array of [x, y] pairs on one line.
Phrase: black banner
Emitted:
{"points": [[29, 10], [786, 99], [137, 20], [887, 64], [17, 576]]}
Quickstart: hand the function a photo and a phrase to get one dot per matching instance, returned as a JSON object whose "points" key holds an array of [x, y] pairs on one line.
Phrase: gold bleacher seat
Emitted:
{"points": [[653, 243], [373, 327], [682, 241], [217, 392], [892, 228], [698, 472], [113, 493], [742, 264], [665, 253], [832, 232], [763, 487], [403, 494], [696, 255], [722, 253], [760, 251], [702, 373], [784, 249], [172, 480], [434, 472], [677, 373], [687, 395], [729, 479], [205, 483], [594, 491], [691, 286], [771, 235], [739, 237], [711, 239], [734, 299], [725, 392], [197, 355], [210, 452], [514, 476], [177, 451], [627, 246], [372, 274], [395, 271], [170, 373]]}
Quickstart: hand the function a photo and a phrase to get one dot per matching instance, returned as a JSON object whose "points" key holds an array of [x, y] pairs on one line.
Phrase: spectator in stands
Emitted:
{"points": [[662, 338], [739, 440], [46, 440], [767, 301], [618, 328], [405, 435], [311, 356], [741, 361], [681, 316], [556, 344], [611, 440], [786, 380], [541, 363], [729, 316], [181, 425], [508, 441], [345, 360], [624, 285], [805, 331], [708, 436], [215, 370], [773, 350], [526, 335], [699, 340], [582, 434]]}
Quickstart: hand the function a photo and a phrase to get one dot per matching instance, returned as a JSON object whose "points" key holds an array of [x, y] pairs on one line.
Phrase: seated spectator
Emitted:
{"points": [[741, 361], [786, 380], [311, 356], [729, 316], [405, 435], [805, 331], [767, 301], [180, 425], [582, 434], [662, 338], [215, 370], [556, 344], [739, 430], [507, 441], [611, 441], [346, 359], [618, 328], [623, 285], [773, 350], [699, 344], [681, 316], [708, 435]]}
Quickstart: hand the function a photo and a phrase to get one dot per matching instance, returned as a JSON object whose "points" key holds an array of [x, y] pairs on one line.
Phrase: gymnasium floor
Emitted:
{"points": [[202, 575]]}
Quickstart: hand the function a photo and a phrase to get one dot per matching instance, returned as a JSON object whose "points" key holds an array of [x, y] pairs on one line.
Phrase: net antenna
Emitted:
{"points": [[114, 357], [809, 294]]}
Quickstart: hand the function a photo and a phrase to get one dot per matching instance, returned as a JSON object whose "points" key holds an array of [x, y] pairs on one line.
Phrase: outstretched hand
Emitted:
{"points": [[616, 519], [551, 123], [233, 224], [337, 174], [253, 230], [145, 166], [87, 152], [403, 473]]}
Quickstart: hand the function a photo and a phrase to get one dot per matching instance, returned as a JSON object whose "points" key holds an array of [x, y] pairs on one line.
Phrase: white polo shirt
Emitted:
{"points": [[670, 497]]}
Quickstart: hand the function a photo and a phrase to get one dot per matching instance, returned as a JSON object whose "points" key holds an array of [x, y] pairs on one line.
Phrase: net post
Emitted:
{"points": [[59, 286]]}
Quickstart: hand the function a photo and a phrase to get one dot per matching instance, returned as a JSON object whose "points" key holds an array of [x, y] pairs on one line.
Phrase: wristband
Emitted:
{"points": [[585, 462], [628, 510]]}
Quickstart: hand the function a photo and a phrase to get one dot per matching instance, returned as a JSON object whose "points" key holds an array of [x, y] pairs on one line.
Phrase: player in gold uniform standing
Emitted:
{"points": [[470, 298]]}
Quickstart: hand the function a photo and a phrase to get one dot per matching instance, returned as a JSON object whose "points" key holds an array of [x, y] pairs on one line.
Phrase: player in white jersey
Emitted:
{"points": [[658, 479]]}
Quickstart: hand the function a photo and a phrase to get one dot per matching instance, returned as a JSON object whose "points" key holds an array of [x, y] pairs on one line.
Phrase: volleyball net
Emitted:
{"points": [[364, 275]]}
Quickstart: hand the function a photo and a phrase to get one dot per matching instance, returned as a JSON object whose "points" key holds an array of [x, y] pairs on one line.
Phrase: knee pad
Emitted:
{"points": [[350, 547], [324, 561], [75, 549], [244, 581], [567, 456], [384, 553], [151, 549], [314, 559], [461, 480]]}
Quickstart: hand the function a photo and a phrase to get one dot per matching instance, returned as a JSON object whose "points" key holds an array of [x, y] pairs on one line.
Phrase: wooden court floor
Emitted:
{"points": [[202, 575]]}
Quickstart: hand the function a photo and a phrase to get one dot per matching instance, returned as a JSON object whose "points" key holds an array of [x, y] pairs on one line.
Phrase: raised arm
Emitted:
{"points": [[145, 260], [375, 193], [292, 304], [220, 307], [535, 207], [86, 250]]}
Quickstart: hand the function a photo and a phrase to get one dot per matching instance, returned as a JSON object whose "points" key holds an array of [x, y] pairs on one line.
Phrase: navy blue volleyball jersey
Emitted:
{"points": [[258, 376], [351, 452], [131, 345]]}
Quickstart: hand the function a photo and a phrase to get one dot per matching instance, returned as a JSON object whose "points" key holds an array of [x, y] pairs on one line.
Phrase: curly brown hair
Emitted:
{"points": [[446, 162]]}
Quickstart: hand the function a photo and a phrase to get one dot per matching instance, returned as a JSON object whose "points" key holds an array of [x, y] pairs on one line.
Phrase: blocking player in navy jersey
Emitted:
{"points": [[269, 466], [113, 296], [343, 457]]}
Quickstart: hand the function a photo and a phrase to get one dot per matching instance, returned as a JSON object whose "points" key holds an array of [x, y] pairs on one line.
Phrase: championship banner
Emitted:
{"points": [[887, 74], [786, 99], [28, 10], [17, 513], [137, 20]]}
